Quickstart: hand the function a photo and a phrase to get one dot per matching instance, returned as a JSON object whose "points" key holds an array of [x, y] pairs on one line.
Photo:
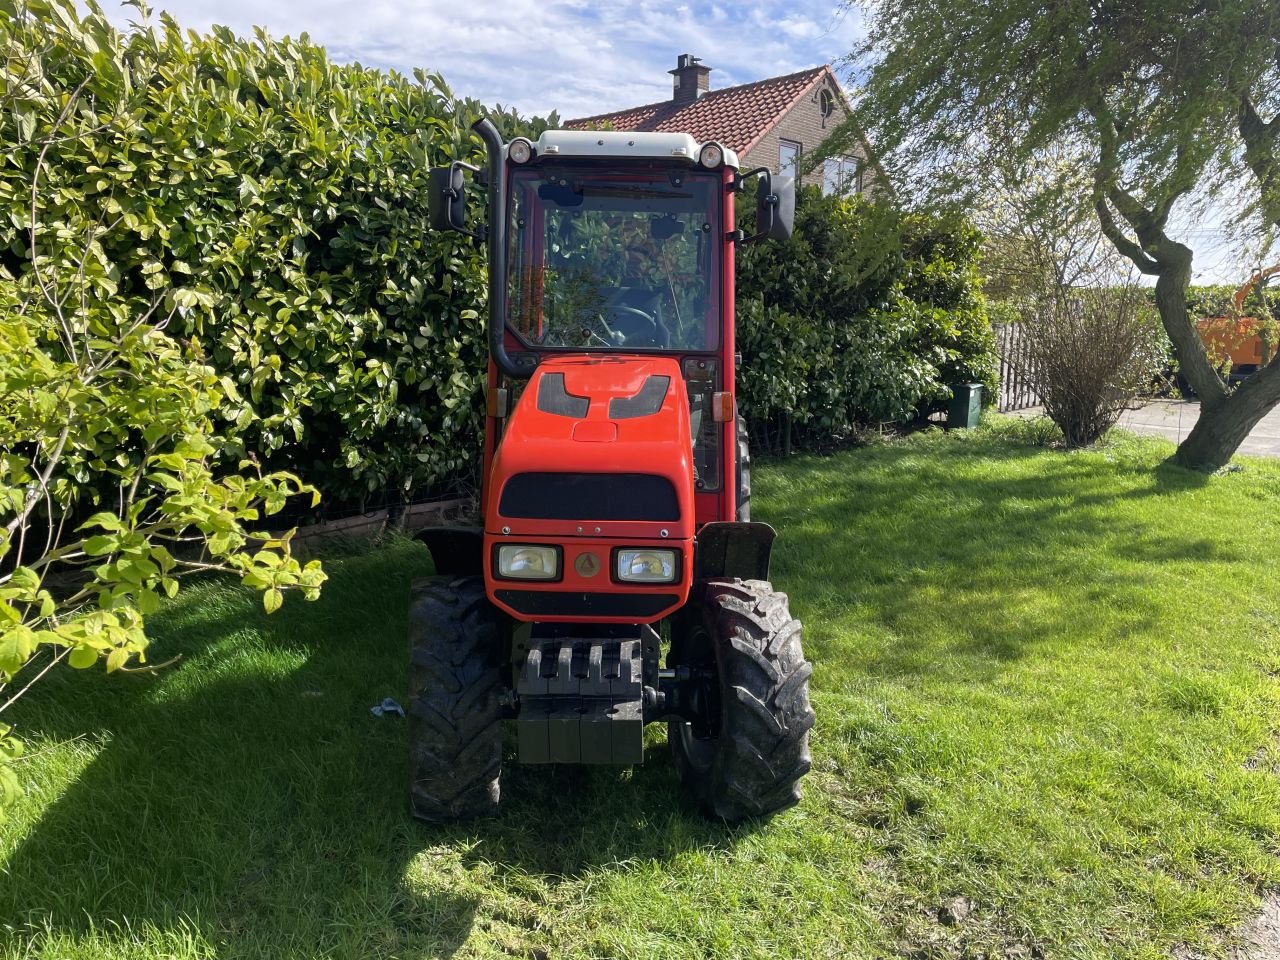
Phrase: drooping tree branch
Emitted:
{"points": [[1130, 248], [1106, 194], [1262, 154]]}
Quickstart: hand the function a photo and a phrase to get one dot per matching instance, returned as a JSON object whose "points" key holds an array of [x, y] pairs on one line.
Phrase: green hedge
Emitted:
{"points": [[1217, 300], [274, 203], [864, 315]]}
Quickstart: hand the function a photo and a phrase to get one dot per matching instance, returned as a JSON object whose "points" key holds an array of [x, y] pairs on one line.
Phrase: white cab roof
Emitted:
{"points": [[612, 143]]}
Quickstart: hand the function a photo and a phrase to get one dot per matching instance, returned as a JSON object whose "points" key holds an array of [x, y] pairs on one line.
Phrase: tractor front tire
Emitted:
{"points": [[455, 715], [757, 750]]}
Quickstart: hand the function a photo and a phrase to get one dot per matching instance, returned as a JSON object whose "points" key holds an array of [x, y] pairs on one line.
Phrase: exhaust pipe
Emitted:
{"points": [[497, 238]]}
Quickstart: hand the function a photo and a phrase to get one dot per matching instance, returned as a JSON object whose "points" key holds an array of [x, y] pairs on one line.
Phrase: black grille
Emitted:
{"points": [[554, 398], [589, 496], [562, 603], [645, 403]]}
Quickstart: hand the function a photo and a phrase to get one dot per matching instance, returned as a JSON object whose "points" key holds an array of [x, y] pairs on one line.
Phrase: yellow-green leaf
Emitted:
{"points": [[83, 657], [116, 659], [272, 600]]}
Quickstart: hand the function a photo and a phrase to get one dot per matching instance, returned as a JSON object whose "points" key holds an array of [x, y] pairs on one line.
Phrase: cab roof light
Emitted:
{"points": [[520, 150]]}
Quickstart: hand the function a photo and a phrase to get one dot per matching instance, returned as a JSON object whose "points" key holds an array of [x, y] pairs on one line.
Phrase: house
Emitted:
{"points": [[769, 123]]}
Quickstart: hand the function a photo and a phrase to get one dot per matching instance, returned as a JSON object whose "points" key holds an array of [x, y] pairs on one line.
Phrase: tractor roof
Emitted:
{"points": [[617, 145]]}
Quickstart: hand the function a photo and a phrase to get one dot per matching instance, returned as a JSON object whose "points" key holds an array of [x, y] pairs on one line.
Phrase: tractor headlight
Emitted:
{"points": [[645, 566], [525, 562], [711, 156], [520, 151]]}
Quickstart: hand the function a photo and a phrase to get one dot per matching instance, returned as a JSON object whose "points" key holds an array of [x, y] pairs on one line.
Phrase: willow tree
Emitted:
{"points": [[1162, 102]]}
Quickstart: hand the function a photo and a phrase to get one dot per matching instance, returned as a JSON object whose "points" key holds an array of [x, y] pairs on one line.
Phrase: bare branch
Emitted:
{"points": [[127, 499], [33, 495], [153, 667], [57, 658], [51, 298]]}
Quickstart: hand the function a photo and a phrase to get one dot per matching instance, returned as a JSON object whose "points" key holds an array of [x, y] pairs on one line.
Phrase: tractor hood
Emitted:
{"points": [[596, 447]]}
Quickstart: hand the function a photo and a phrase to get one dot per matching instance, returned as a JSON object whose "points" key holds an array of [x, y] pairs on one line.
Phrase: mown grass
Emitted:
{"points": [[1044, 681]]}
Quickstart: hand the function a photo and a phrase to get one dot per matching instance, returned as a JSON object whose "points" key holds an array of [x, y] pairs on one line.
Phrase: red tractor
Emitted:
{"points": [[616, 489]]}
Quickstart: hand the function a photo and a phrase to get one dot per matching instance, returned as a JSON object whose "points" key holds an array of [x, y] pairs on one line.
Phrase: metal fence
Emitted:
{"points": [[1017, 391]]}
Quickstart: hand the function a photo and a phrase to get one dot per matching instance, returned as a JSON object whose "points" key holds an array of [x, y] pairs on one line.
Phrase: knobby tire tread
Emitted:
{"points": [[455, 714], [762, 749]]}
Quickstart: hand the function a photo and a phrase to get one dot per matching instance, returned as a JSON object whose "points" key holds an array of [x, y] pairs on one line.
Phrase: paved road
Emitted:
{"points": [[1173, 419]]}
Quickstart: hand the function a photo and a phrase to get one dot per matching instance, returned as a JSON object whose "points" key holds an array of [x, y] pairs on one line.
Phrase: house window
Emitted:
{"points": [[842, 175], [788, 156]]}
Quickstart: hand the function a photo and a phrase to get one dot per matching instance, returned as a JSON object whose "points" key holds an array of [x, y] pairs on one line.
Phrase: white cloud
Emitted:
{"points": [[576, 56], [799, 28]]}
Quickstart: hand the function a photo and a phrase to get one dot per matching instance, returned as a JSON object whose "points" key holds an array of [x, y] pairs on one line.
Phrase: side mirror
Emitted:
{"points": [[775, 207], [446, 198]]}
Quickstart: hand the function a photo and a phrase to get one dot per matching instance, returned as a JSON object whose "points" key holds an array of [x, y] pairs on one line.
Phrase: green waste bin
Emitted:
{"points": [[966, 406]]}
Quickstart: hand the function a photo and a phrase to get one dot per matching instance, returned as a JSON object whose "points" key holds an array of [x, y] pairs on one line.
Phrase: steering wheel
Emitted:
{"points": [[638, 327]]}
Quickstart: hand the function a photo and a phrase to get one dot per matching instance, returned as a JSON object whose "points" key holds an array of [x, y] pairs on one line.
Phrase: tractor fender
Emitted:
{"points": [[724, 550], [455, 551]]}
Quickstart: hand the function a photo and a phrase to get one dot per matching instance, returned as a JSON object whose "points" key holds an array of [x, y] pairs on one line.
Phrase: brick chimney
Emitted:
{"points": [[692, 79]]}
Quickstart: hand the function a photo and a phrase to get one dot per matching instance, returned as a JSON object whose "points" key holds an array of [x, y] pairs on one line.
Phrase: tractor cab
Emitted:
{"points": [[615, 487]]}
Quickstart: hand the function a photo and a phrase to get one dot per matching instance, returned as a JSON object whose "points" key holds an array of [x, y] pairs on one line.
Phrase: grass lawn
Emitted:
{"points": [[1044, 681]]}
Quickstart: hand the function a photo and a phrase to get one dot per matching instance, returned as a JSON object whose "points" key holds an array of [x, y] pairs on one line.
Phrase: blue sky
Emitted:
{"points": [[581, 57], [574, 56]]}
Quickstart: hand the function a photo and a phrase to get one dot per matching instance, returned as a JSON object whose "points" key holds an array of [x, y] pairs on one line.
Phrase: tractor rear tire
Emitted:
{"points": [[758, 749], [455, 715], [743, 513]]}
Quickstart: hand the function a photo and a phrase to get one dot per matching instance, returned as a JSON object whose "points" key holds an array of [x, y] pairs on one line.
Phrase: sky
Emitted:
{"points": [[583, 57], [579, 57]]}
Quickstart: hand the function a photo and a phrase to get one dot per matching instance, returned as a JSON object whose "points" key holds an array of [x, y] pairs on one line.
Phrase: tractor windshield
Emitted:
{"points": [[614, 261]]}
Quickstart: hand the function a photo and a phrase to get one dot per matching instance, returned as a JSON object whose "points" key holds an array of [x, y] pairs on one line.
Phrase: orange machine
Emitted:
{"points": [[1238, 338]]}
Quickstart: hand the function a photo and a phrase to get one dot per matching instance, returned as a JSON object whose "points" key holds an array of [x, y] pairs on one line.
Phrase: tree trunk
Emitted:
{"points": [[1172, 281], [1215, 437], [1225, 422], [1225, 418]]}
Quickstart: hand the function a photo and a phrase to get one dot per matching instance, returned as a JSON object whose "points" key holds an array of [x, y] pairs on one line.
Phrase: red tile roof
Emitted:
{"points": [[736, 116]]}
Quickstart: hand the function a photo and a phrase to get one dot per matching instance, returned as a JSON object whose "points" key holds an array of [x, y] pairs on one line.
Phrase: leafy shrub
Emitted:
{"points": [[864, 315], [941, 265]]}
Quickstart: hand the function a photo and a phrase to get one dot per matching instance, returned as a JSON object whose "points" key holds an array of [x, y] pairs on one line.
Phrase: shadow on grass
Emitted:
{"points": [[249, 793]]}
